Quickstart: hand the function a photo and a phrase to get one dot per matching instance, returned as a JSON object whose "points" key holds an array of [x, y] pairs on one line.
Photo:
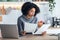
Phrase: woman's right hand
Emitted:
{"points": [[23, 33]]}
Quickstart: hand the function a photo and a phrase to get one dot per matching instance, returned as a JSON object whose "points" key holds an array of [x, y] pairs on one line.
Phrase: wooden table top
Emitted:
{"points": [[33, 37]]}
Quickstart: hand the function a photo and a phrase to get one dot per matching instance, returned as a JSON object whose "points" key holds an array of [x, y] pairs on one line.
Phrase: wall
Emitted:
{"points": [[11, 17], [56, 11]]}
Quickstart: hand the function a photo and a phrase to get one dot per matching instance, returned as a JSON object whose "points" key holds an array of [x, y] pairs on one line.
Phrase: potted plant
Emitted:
{"points": [[51, 5]]}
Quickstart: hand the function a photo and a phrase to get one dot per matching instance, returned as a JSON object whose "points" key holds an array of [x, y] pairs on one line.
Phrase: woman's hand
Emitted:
{"points": [[23, 33], [40, 23]]}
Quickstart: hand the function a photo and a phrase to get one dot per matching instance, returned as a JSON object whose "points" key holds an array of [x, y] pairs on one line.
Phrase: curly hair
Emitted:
{"points": [[27, 6]]}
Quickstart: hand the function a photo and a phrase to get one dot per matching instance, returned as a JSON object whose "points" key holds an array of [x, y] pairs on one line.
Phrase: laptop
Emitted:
{"points": [[9, 31]]}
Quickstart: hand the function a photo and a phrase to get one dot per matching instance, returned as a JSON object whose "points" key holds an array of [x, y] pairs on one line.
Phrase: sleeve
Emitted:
{"points": [[20, 25], [36, 20]]}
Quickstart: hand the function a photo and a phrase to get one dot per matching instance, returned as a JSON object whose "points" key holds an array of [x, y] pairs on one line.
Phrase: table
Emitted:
{"points": [[34, 37]]}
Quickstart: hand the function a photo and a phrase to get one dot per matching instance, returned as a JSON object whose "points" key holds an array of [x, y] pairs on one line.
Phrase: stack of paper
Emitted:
{"points": [[30, 27]]}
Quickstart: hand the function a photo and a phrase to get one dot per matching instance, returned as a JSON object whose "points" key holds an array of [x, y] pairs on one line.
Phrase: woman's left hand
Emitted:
{"points": [[40, 23]]}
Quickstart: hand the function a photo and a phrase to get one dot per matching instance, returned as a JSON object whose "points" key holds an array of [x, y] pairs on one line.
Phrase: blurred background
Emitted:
{"points": [[11, 9]]}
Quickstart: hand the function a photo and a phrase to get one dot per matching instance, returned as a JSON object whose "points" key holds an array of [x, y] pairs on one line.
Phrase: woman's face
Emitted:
{"points": [[31, 12]]}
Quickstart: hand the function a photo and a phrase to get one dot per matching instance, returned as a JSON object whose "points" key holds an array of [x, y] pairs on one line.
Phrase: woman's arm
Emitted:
{"points": [[20, 26]]}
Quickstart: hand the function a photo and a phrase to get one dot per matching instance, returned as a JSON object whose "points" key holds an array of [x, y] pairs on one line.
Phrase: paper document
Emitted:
{"points": [[43, 28], [30, 27]]}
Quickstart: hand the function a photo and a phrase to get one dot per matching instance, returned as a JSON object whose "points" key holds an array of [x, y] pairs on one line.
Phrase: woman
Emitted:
{"points": [[29, 12]]}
